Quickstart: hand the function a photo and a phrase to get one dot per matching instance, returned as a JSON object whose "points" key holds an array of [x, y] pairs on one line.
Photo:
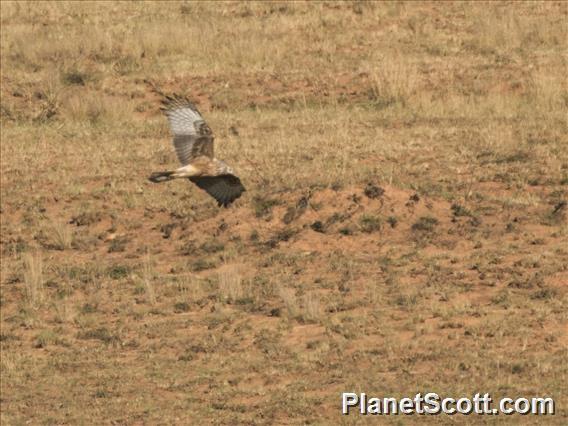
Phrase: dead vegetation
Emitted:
{"points": [[404, 226]]}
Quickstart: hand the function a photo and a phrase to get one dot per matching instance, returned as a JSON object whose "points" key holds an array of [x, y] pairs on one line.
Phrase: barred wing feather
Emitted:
{"points": [[192, 135]]}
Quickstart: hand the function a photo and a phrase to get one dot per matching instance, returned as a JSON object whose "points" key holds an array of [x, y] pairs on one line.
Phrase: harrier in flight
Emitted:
{"points": [[193, 141]]}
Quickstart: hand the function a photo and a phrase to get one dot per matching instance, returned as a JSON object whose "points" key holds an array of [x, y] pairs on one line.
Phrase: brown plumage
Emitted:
{"points": [[193, 142]]}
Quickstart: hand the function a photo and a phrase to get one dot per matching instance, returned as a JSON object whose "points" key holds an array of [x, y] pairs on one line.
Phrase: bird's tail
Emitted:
{"points": [[157, 177]]}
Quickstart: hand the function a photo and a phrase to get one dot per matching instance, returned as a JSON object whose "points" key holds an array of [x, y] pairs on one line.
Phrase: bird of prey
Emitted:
{"points": [[193, 142]]}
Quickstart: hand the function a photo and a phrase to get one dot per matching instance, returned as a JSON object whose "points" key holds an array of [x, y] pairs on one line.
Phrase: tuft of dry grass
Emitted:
{"points": [[311, 308], [62, 235], [393, 80], [33, 279], [231, 287], [148, 280], [288, 296]]}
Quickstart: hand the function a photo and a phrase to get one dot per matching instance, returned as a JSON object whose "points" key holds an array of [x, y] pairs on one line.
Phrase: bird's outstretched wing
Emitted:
{"points": [[224, 188], [192, 136]]}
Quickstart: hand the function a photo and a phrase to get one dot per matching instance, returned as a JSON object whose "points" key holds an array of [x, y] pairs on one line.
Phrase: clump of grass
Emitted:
{"points": [[231, 287], [425, 224], [285, 234], [502, 298], [102, 333], [406, 300], [517, 156], [48, 98], [86, 218], [202, 265], [306, 309], [62, 236], [212, 246], [84, 274], [117, 245], [126, 65], [85, 109], [288, 296], [89, 308], [46, 338], [459, 210], [263, 206], [148, 280], [544, 294], [180, 307], [311, 309], [15, 245], [282, 235], [393, 81], [392, 221], [118, 272], [373, 191], [76, 76], [33, 279], [369, 223]]}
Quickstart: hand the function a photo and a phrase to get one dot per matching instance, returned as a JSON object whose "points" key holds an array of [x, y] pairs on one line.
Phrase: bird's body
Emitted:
{"points": [[193, 141]]}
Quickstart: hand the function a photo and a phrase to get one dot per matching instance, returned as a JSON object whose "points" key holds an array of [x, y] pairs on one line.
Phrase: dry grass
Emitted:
{"points": [[33, 279], [127, 302], [290, 301], [148, 280], [62, 235], [231, 288]]}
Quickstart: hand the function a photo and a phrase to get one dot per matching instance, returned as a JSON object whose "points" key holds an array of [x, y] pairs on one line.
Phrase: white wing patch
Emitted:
{"points": [[182, 121], [192, 135]]}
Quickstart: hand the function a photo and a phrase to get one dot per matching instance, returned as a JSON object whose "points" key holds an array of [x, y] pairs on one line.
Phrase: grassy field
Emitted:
{"points": [[404, 227]]}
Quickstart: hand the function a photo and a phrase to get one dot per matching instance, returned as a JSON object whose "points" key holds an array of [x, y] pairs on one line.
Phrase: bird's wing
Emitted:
{"points": [[224, 188], [192, 135]]}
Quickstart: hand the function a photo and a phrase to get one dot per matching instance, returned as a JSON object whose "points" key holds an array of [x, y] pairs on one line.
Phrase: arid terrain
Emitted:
{"points": [[404, 227]]}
